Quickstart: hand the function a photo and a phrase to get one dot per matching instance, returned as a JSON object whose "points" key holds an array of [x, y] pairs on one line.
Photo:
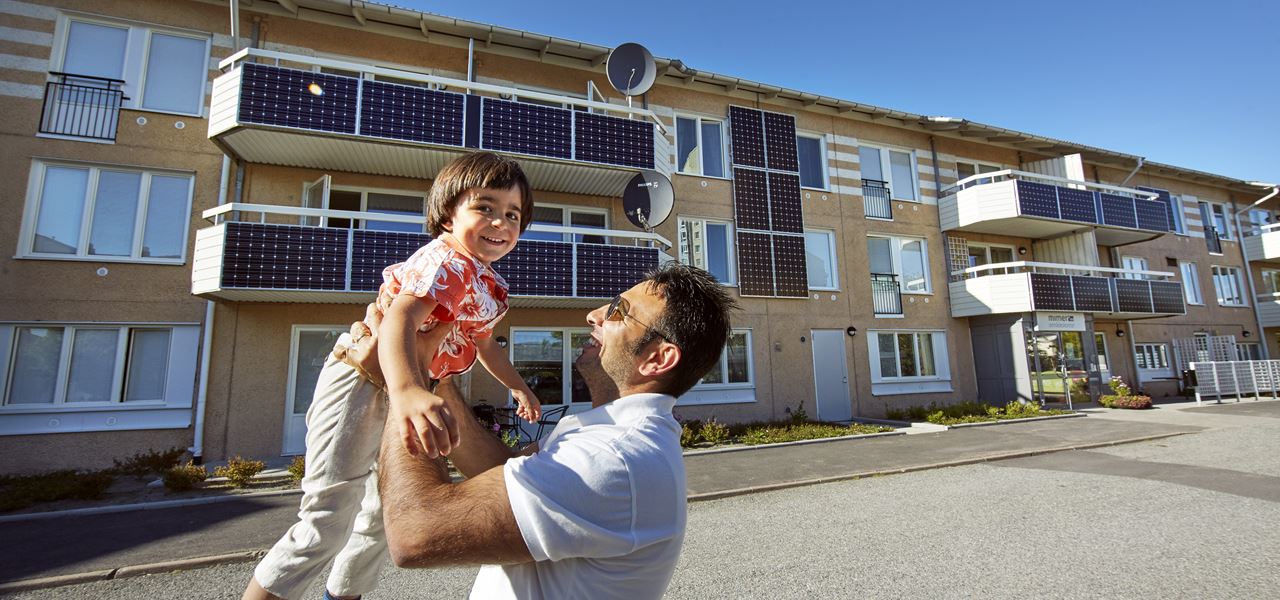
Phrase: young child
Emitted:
{"points": [[478, 207]]}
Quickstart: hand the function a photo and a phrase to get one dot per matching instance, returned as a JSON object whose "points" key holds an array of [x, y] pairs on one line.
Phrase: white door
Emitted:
{"points": [[831, 375], [315, 195], [310, 346]]}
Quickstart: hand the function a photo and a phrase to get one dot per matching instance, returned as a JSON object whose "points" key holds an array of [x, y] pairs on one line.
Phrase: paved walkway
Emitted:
{"points": [[83, 547]]}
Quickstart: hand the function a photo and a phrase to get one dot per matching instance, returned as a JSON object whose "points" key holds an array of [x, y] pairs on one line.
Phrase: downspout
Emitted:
{"points": [[1131, 173], [1253, 291], [206, 344]]}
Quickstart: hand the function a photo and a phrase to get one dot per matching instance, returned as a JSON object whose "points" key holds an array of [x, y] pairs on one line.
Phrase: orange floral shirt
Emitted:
{"points": [[467, 293]]}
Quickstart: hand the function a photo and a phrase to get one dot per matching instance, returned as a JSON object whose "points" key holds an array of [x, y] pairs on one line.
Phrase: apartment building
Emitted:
{"points": [[197, 213]]}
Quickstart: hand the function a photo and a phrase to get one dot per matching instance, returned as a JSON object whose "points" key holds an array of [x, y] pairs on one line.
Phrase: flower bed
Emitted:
{"points": [[971, 412]]}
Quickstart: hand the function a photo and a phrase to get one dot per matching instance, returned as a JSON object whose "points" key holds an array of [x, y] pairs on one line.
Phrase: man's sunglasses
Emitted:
{"points": [[620, 309]]}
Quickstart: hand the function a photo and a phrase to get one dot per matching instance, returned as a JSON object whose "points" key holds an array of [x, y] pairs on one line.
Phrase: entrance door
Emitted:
{"points": [[831, 375], [1057, 360], [310, 346]]}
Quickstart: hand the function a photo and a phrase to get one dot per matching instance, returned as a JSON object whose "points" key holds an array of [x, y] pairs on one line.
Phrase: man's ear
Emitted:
{"points": [[661, 360]]}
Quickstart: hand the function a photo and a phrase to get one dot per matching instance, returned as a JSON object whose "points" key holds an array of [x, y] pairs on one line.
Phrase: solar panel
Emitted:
{"points": [[1133, 295], [789, 267], [284, 97], [1092, 293], [1051, 292], [538, 268], [780, 142], [751, 199], [613, 140], [405, 112], [1118, 210], [1152, 214], [784, 203], [1038, 199], [755, 264], [746, 136], [373, 251], [1167, 199], [1167, 297], [284, 257], [604, 271], [526, 128], [1077, 205]]}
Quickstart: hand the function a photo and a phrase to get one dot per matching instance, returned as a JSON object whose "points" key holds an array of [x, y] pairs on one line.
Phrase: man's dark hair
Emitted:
{"points": [[696, 318], [476, 170]]}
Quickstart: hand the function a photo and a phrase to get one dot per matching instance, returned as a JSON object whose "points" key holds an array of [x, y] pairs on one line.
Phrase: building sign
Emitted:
{"points": [[1058, 321]]}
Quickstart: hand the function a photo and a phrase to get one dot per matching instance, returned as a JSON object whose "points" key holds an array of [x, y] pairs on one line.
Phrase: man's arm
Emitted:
{"points": [[432, 522]]}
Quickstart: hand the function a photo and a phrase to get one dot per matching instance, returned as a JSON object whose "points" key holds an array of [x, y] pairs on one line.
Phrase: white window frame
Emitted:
{"points": [[831, 258], [1137, 263], [1152, 352], [1251, 220], [566, 361], [977, 166], [1225, 274], [1179, 214], [364, 200], [895, 253], [566, 218], [1100, 347], [1270, 281], [882, 385], [886, 168], [1216, 210], [1249, 350], [137, 50], [730, 245], [724, 152], [726, 393], [35, 191], [986, 248], [822, 160], [1190, 282]]}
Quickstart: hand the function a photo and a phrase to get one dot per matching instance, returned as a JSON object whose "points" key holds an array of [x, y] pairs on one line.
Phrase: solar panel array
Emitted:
{"points": [[766, 204], [284, 257], [1037, 199], [613, 140], [1051, 292], [605, 271], [374, 251], [526, 128], [1118, 210], [537, 268], [284, 98], [1057, 202], [1152, 214], [1168, 201], [405, 112]]}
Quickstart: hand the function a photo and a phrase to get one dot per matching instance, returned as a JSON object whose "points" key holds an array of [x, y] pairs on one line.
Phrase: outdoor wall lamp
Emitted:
{"points": [[1244, 333], [1022, 250], [501, 340], [851, 331], [1119, 333]]}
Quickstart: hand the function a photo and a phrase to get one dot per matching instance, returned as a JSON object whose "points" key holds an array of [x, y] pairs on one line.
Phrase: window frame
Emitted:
{"points": [[724, 153], [1136, 263], [35, 200], [364, 201], [1219, 210], [977, 167], [1249, 350], [832, 260], [1192, 283], [986, 248], [566, 361], [1270, 280], [726, 393], [1220, 272], [941, 357], [886, 169], [566, 219], [823, 162], [730, 246], [725, 384], [1147, 351], [895, 254]]}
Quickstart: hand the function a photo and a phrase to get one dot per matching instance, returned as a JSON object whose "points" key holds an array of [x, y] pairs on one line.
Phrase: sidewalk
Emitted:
{"points": [[87, 547]]}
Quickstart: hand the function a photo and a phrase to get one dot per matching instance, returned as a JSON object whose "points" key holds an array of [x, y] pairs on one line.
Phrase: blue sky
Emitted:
{"points": [[1193, 84]]}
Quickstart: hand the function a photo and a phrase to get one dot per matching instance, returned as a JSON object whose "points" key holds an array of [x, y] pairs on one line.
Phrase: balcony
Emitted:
{"points": [[876, 203], [1020, 287], [82, 106], [297, 117], [1262, 244], [274, 259], [1041, 206], [1268, 309]]}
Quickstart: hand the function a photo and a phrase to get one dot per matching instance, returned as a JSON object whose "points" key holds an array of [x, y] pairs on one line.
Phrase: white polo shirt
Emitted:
{"points": [[601, 506]]}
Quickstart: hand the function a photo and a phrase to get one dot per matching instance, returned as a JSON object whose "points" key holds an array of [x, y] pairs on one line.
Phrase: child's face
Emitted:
{"points": [[487, 222]]}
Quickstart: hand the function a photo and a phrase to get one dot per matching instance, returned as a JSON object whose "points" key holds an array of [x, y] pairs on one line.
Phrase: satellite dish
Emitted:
{"points": [[648, 199], [631, 69]]}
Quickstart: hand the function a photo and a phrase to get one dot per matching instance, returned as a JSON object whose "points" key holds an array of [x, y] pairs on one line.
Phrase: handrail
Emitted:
{"points": [[1016, 174], [297, 211], [79, 76], [1256, 230], [443, 81], [1059, 267]]}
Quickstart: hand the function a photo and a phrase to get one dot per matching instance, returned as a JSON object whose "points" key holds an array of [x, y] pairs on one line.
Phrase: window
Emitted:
{"points": [[1249, 350], [1190, 282], [1134, 263], [1179, 217], [387, 202], [734, 368], [896, 167], [700, 146], [163, 70], [1258, 220], [567, 216], [812, 153], [1226, 280], [545, 361], [908, 258], [1271, 281], [820, 258], [1215, 214], [969, 169], [989, 254], [1100, 343], [908, 356], [708, 245], [106, 214], [1152, 361]]}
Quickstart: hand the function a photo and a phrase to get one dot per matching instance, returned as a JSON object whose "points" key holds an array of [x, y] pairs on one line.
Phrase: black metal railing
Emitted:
{"points": [[1212, 240], [82, 106], [875, 199], [886, 296]]}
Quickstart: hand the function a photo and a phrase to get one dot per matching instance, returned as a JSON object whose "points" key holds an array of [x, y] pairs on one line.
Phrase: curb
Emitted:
{"points": [[25, 585], [1016, 421], [102, 510], [795, 443], [939, 465]]}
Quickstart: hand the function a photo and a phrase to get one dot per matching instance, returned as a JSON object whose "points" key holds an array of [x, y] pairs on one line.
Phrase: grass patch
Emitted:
{"points": [[970, 412], [17, 493], [772, 432]]}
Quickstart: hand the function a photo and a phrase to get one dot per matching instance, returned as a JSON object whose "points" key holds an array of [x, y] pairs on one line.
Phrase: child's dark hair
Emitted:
{"points": [[475, 170]]}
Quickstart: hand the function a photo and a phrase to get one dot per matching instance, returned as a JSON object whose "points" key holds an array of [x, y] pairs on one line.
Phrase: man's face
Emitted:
{"points": [[608, 363]]}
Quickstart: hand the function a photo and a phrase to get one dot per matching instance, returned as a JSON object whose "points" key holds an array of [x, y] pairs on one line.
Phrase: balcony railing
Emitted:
{"points": [[886, 294], [273, 259], [1261, 242], [876, 199], [1022, 286], [82, 106]]}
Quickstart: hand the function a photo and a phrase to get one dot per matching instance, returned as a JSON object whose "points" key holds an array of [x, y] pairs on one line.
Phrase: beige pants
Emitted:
{"points": [[340, 516]]}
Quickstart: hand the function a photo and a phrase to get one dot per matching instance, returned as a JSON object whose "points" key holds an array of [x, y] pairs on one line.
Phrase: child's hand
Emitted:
{"points": [[527, 405], [424, 422]]}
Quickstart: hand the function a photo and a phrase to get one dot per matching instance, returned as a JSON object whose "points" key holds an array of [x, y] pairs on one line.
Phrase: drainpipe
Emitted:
{"points": [[1131, 173], [1253, 292], [206, 344], [235, 26]]}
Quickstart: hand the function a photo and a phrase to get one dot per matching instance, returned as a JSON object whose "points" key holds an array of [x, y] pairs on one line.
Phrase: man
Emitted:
{"points": [[598, 511]]}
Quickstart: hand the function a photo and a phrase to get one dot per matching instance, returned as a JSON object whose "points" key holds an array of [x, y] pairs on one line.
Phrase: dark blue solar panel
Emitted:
{"points": [[1167, 297], [405, 112], [1133, 295], [1038, 199], [1077, 205], [285, 98], [284, 257], [751, 199], [1051, 292], [613, 140], [789, 266], [1092, 293], [746, 136], [1118, 211], [1152, 214], [526, 128], [755, 264], [538, 268], [784, 203], [1171, 204], [374, 251], [780, 142], [605, 271]]}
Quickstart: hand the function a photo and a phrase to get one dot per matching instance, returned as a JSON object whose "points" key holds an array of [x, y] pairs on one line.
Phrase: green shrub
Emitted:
{"points": [[714, 432], [298, 468], [239, 471], [1119, 386], [184, 477], [774, 434], [689, 433], [798, 415], [142, 464], [20, 492]]}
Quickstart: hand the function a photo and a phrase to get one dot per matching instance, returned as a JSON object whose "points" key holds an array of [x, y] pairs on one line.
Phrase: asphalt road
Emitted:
{"points": [[1192, 516]]}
